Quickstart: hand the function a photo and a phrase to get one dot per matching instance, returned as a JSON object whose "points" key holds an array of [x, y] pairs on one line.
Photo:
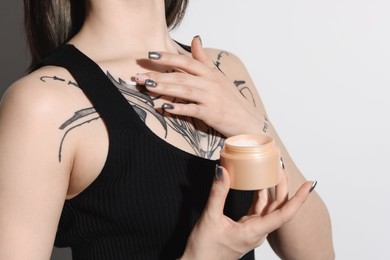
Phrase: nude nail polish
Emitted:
{"points": [[252, 161], [154, 55]]}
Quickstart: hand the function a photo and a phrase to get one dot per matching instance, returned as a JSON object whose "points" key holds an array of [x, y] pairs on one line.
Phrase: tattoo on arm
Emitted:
{"points": [[242, 88], [79, 117], [245, 90], [68, 130], [266, 124]]}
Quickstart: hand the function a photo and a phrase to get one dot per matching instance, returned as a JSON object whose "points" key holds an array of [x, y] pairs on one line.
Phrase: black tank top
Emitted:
{"points": [[149, 194]]}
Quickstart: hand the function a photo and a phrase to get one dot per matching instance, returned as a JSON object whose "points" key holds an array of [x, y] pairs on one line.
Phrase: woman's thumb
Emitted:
{"points": [[219, 191]]}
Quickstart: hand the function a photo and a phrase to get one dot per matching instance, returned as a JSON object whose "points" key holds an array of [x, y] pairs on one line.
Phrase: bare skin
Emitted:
{"points": [[34, 183]]}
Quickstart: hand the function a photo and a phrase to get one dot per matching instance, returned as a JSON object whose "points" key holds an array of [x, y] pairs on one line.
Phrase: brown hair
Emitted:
{"points": [[50, 23]]}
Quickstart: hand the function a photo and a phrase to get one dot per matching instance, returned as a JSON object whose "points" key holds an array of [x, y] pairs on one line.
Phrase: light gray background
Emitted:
{"points": [[322, 69]]}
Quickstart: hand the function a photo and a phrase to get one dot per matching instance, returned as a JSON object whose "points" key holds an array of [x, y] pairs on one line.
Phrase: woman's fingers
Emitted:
{"points": [[277, 218], [176, 84], [199, 54], [185, 109], [281, 193], [218, 193], [179, 62], [260, 203], [263, 202], [199, 64], [281, 190]]}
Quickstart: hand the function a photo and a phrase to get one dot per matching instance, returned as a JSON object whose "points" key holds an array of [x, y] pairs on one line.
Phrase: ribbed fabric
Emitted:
{"points": [[149, 194]]}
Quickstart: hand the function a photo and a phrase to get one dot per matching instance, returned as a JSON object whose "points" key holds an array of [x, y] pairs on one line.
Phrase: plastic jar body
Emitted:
{"points": [[252, 160]]}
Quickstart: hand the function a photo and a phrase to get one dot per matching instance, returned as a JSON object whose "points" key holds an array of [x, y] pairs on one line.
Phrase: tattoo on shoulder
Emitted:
{"points": [[240, 84], [204, 140], [55, 78], [219, 57], [79, 118]]}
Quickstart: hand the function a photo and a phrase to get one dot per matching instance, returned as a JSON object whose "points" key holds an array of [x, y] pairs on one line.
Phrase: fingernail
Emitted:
{"points": [[281, 163], [141, 77], [167, 106], [313, 186], [154, 55], [150, 83], [218, 173], [200, 39]]}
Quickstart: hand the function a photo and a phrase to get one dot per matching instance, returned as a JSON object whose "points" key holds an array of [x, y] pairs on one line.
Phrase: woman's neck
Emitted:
{"points": [[123, 28]]}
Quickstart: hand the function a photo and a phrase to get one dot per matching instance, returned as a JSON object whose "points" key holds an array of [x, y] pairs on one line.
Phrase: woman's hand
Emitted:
{"points": [[212, 97], [215, 236]]}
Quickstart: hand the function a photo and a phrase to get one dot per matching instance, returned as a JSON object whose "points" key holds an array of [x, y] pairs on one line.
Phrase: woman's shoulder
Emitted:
{"points": [[232, 66], [35, 107], [227, 62], [48, 90]]}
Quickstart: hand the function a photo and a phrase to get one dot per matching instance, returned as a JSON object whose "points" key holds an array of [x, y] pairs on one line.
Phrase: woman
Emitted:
{"points": [[109, 145]]}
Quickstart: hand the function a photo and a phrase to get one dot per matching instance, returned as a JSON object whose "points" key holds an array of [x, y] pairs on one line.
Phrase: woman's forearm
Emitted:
{"points": [[308, 235]]}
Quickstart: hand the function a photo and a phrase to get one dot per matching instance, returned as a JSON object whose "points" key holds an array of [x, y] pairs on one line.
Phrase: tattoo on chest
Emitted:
{"points": [[203, 140]]}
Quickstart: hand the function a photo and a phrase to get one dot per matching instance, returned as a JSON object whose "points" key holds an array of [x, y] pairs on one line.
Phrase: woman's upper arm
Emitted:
{"points": [[33, 183], [308, 235]]}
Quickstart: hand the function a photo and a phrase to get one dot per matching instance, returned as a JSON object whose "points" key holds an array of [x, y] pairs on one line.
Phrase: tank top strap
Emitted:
{"points": [[105, 97]]}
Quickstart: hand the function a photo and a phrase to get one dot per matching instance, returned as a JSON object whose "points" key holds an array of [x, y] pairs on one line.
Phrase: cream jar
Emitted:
{"points": [[252, 160]]}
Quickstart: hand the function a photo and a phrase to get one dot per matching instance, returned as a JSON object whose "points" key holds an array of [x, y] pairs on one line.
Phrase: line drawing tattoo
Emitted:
{"points": [[245, 90], [219, 57], [265, 126], [204, 140], [53, 78], [43, 78], [78, 115], [141, 102], [67, 131], [240, 84]]}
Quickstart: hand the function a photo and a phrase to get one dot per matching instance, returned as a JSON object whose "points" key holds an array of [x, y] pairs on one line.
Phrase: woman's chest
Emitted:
{"points": [[182, 135]]}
